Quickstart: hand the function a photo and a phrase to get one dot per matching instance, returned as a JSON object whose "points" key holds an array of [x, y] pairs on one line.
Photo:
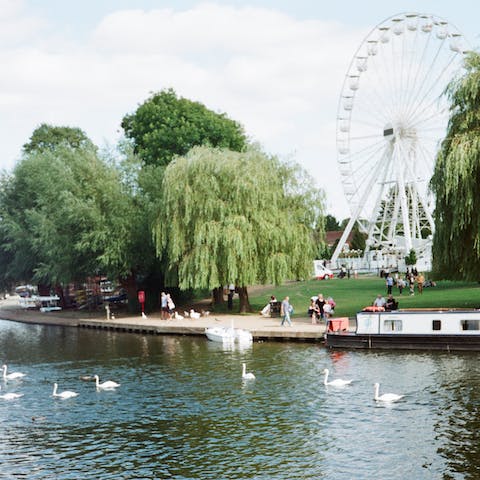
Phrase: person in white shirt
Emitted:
{"points": [[379, 301]]}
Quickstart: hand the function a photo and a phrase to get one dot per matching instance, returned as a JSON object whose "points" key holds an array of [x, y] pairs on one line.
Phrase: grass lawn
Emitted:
{"points": [[351, 295]]}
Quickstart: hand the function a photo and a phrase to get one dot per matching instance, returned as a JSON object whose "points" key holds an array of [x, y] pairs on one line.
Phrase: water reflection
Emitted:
{"points": [[183, 411]]}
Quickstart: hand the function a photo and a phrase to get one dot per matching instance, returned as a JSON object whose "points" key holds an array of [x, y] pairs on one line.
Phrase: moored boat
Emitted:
{"points": [[48, 303], [228, 334], [220, 334], [415, 329]]}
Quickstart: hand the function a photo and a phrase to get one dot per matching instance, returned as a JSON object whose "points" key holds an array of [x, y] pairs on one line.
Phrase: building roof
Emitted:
{"points": [[333, 236]]}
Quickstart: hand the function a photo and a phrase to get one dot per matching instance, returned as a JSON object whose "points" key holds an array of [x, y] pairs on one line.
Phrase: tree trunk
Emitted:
{"points": [[130, 285], [244, 301], [217, 296], [60, 293]]}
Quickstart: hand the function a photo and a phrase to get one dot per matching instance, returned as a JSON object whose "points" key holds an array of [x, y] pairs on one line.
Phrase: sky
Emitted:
{"points": [[277, 67]]}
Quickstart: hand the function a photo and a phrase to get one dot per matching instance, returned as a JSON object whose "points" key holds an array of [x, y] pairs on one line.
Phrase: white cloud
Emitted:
{"points": [[17, 25], [280, 77]]}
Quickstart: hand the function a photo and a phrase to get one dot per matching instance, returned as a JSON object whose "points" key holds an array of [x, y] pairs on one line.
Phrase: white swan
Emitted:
{"points": [[11, 396], [247, 375], [386, 397], [338, 382], [105, 385], [64, 394], [11, 376]]}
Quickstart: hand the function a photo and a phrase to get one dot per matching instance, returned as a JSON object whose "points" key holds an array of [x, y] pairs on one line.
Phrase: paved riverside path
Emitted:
{"points": [[262, 328]]}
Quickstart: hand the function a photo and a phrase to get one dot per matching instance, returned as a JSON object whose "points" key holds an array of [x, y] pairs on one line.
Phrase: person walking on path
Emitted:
{"points": [[164, 306], [285, 311]]}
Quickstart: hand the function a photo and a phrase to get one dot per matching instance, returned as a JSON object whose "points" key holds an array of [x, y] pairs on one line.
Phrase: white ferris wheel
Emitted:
{"points": [[392, 116]]}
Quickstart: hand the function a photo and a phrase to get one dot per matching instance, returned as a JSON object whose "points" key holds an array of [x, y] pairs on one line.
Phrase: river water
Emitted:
{"points": [[183, 412]]}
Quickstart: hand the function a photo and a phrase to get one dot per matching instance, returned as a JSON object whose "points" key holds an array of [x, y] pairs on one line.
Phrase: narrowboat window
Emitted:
{"points": [[470, 324], [436, 324], [392, 325]]}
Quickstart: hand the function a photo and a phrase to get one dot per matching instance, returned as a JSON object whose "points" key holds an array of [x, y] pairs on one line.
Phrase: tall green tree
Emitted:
{"points": [[331, 223], [411, 258], [243, 218], [142, 185], [162, 127], [166, 125], [49, 137], [64, 216], [359, 239], [456, 181]]}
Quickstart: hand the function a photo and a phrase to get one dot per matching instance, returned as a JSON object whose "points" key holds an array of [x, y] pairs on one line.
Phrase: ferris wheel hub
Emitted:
{"points": [[399, 132]]}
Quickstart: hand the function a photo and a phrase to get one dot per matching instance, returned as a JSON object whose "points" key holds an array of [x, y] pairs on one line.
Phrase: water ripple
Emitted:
{"points": [[183, 411]]}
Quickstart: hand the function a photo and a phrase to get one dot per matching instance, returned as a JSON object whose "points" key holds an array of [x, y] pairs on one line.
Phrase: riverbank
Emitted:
{"points": [[262, 328]]}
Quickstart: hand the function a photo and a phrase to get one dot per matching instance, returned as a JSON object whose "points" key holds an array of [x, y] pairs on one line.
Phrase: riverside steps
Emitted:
{"points": [[262, 328]]}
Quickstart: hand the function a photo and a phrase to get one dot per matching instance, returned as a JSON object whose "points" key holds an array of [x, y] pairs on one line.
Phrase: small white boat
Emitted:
{"points": [[44, 303], [228, 334], [220, 334]]}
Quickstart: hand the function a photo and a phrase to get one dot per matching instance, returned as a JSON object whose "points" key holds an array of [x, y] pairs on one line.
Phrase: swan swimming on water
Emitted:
{"points": [[247, 375], [338, 382], [108, 385], [386, 397], [11, 376], [11, 396], [64, 394]]}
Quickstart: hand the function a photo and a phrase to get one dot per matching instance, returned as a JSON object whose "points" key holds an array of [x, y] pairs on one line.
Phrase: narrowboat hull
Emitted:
{"points": [[403, 341]]}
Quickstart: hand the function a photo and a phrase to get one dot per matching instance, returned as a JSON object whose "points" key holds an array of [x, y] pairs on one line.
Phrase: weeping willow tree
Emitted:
{"points": [[456, 181], [243, 218]]}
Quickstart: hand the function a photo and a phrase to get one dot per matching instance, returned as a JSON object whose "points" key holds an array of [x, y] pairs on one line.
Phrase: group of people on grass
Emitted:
{"points": [[411, 278], [319, 309]]}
